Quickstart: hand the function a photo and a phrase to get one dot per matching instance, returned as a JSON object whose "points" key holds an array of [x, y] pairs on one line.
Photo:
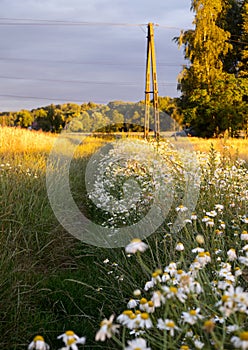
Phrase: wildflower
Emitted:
{"points": [[232, 328], [243, 260], [212, 213], [203, 258], [136, 245], [38, 343], [184, 347], [146, 305], [209, 326], [173, 292], [132, 303], [193, 216], [200, 239], [245, 220], [171, 269], [219, 207], [244, 236], [168, 325], [107, 328], [149, 285], [137, 343], [137, 292], [232, 254], [125, 317], [179, 247], [71, 339], [198, 344], [197, 250], [144, 320], [205, 219], [192, 316], [237, 271], [222, 225], [210, 222], [158, 298], [181, 208], [240, 341]]}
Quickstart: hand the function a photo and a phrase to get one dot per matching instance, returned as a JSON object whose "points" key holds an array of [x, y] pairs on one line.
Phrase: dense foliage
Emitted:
{"points": [[214, 84]]}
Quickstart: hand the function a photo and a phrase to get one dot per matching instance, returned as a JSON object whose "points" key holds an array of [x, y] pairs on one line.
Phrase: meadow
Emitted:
{"points": [[183, 287]]}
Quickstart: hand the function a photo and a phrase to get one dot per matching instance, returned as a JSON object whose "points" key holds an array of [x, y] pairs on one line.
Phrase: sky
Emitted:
{"points": [[59, 51]]}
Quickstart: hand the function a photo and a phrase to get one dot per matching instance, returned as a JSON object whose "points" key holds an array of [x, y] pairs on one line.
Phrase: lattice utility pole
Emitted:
{"points": [[151, 74]]}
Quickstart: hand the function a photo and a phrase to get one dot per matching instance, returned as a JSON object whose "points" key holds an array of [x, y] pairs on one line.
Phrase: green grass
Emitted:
{"points": [[51, 282]]}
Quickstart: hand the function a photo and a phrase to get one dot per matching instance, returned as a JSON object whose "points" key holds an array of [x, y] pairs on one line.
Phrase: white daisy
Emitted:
{"points": [[240, 341], [135, 246], [107, 329], [137, 343], [38, 343], [192, 316], [71, 340]]}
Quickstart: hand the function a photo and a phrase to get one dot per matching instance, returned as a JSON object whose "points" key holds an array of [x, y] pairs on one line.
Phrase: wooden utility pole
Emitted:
{"points": [[151, 75]]}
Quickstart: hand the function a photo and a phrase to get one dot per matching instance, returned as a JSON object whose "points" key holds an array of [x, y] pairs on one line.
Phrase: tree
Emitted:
{"points": [[24, 118], [211, 97]]}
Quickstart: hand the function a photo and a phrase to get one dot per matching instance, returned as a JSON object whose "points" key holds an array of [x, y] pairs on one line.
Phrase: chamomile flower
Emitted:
{"points": [[168, 325], [181, 209], [137, 344], [244, 236], [107, 329], [232, 254], [179, 247], [135, 246], [38, 343], [71, 340], [132, 304], [192, 316], [240, 341]]}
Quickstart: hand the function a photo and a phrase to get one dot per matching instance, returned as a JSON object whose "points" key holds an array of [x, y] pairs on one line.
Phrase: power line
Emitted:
{"points": [[89, 82], [43, 98], [164, 64], [47, 22]]}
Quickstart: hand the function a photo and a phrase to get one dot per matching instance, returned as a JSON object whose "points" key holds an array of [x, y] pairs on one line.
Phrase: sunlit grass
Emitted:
{"points": [[50, 282]]}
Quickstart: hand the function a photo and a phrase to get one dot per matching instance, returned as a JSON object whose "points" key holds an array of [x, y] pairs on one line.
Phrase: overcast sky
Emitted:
{"points": [[57, 51]]}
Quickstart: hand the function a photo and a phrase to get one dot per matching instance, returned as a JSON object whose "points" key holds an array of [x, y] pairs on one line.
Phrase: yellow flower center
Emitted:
{"points": [[132, 317], [243, 336], [38, 337], [69, 333], [137, 349], [201, 254], [143, 301], [71, 341], [179, 272], [209, 326], [224, 298], [150, 303], [136, 240], [184, 347], [170, 324], [137, 312], [127, 312], [144, 315], [192, 312], [173, 290]]}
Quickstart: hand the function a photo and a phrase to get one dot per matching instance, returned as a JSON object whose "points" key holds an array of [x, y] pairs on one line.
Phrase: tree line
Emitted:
{"points": [[89, 117]]}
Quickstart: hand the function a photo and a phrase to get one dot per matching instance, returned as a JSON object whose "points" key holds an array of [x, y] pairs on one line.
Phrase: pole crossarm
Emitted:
{"points": [[151, 76]]}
